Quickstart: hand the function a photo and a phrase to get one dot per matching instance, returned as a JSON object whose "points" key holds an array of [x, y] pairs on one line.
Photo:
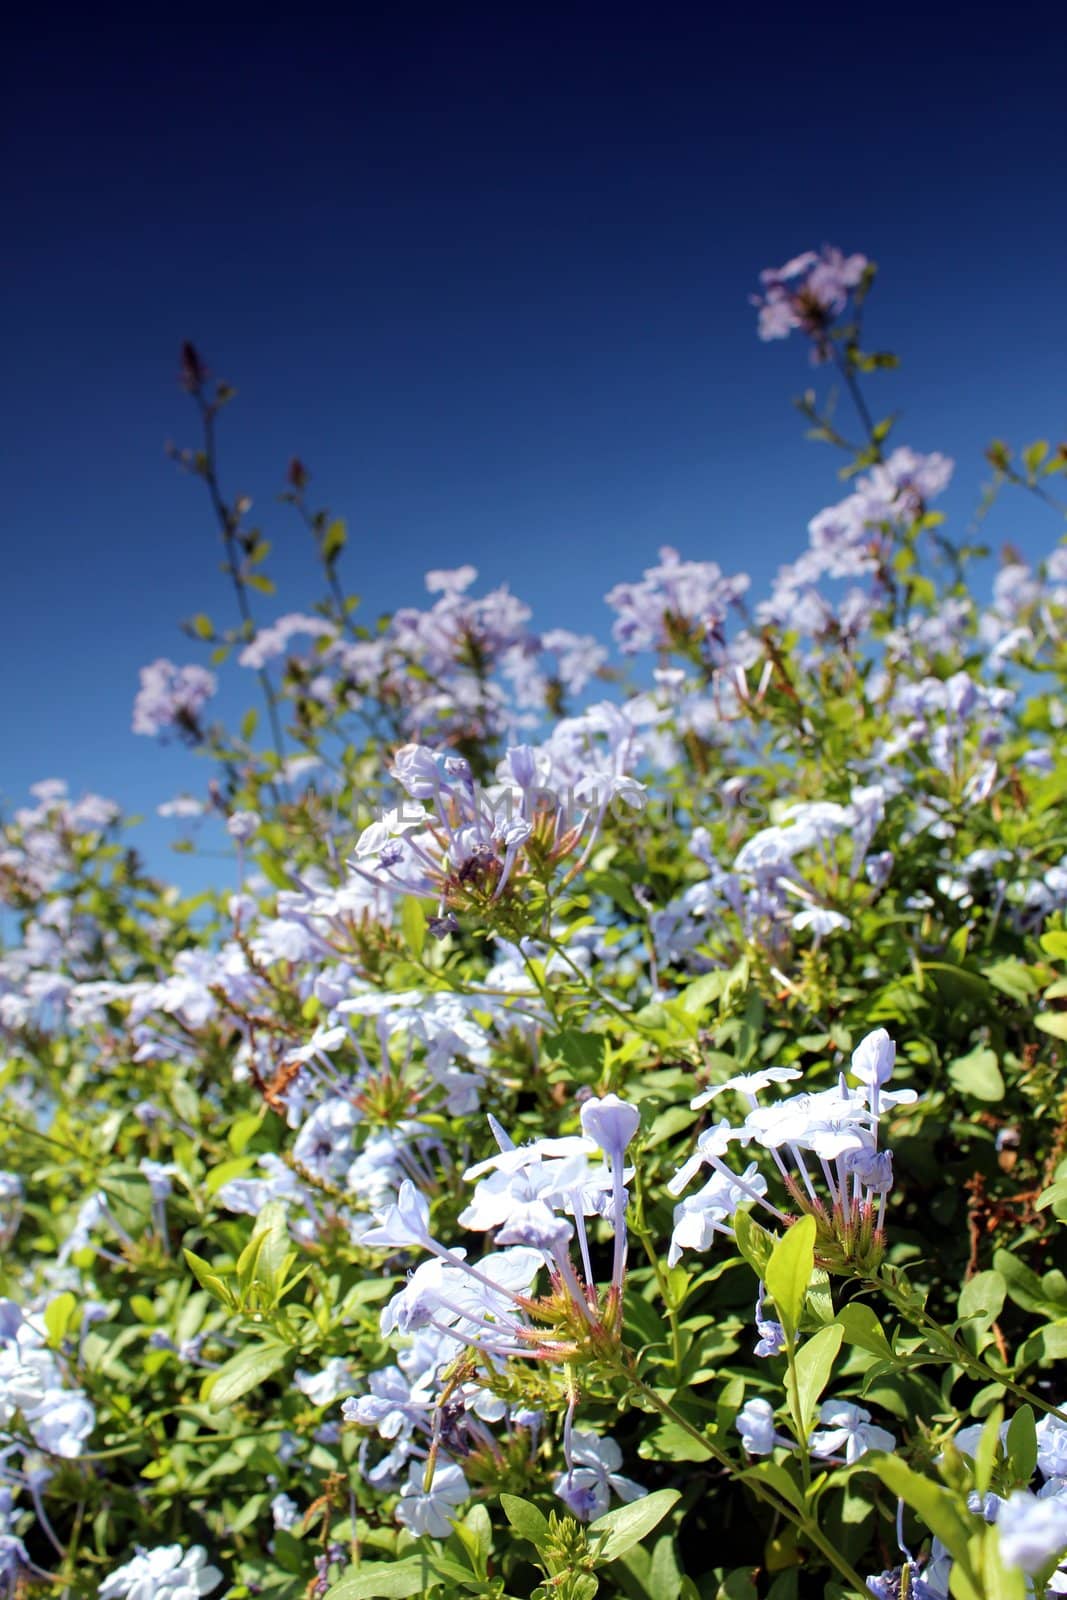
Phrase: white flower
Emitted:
{"points": [[403, 1225], [533, 1223], [167, 1571], [873, 1059], [323, 1388], [1032, 1531], [62, 1422], [711, 1145], [390, 825], [611, 1123], [586, 1488], [848, 1431], [820, 921], [432, 1510], [700, 1217], [755, 1424], [158, 1175], [242, 825], [1052, 1447], [325, 1144], [284, 1510], [747, 1083]]}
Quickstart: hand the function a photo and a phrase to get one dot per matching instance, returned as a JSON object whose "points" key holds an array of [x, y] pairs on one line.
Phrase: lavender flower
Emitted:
{"points": [[168, 1571], [172, 697]]}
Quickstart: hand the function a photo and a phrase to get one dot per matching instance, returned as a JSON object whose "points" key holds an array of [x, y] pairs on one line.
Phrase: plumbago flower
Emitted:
{"points": [[168, 1570], [34, 1390], [846, 1435], [474, 850], [677, 605], [471, 1321], [807, 294], [856, 816], [172, 697], [824, 1147]]}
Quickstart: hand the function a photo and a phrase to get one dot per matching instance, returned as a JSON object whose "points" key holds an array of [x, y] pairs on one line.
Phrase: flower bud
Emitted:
{"points": [[611, 1123], [873, 1059]]}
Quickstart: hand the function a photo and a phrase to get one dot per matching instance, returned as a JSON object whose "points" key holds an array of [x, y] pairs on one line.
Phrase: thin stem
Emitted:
{"points": [[227, 519], [844, 367], [954, 1350], [590, 987], [643, 1233], [800, 1520], [46, 1138], [317, 525], [794, 1407]]}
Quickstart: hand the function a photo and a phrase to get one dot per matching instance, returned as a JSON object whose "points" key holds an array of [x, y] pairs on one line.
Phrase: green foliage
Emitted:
{"points": [[204, 1098]]}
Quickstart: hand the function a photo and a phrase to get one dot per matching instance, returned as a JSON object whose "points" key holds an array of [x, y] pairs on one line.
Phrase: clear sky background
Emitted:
{"points": [[484, 268]]}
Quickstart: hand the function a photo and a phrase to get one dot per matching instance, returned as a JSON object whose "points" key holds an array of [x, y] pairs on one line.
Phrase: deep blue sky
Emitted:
{"points": [[485, 269]]}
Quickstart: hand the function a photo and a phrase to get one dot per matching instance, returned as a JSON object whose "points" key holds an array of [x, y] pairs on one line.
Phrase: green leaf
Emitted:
{"points": [[334, 540], [1053, 1022], [413, 924], [814, 1364], [672, 1442], [737, 1585], [628, 1525], [242, 1129], [935, 1505], [982, 1298], [789, 1272], [249, 723], [820, 1299], [216, 1178], [202, 626], [60, 1314], [273, 1228], [978, 1075], [1020, 1445], [444, 1569], [753, 1242], [1034, 454], [777, 1477], [1056, 1197], [475, 1534], [988, 1448], [244, 1371], [528, 1522], [1023, 1284], [1012, 978], [698, 995], [208, 1278], [863, 1329], [1048, 1344], [380, 1580]]}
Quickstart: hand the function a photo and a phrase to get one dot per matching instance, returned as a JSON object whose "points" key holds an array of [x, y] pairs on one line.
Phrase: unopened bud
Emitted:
{"points": [[192, 371]]}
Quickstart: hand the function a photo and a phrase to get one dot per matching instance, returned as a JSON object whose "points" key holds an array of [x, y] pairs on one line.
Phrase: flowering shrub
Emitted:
{"points": [[609, 1133]]}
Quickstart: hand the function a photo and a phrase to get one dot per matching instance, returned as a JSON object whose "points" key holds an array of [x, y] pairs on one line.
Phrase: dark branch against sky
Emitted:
{"points": [[485, 269]]}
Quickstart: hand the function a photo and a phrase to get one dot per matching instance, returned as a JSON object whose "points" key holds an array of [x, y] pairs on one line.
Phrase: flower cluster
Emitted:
{"points": [[824, 1147], [172, 697], [467, 1321], [168, 1570], [249, 1133], [33, 1386], [807, 294], [466, 848]]}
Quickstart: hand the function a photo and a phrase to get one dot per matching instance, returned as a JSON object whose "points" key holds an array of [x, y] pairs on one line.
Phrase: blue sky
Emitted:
{"points": [[485, 270]]}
